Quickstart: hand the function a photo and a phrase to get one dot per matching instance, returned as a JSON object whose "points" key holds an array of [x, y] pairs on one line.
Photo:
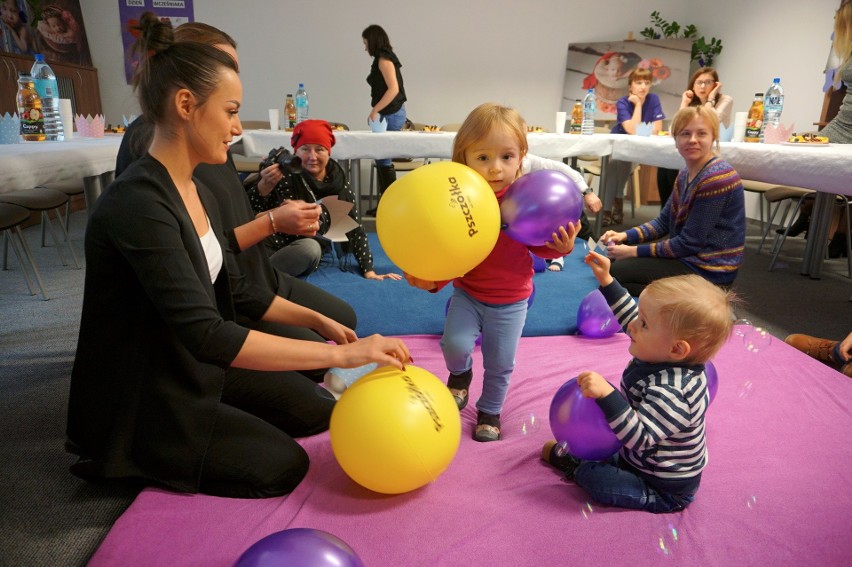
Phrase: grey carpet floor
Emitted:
{"points": [[49, 517]]}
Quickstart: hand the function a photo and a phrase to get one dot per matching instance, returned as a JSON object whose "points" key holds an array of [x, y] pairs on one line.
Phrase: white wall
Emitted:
{"points": [[457, 54]]}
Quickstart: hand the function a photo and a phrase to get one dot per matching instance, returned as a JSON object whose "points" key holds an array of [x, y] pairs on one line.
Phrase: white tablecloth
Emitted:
{"points": [[352, 144], [823, 168], [25, 165]]}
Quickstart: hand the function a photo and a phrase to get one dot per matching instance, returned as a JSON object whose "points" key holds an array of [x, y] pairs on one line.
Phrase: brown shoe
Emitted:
{"points": [[607, 219], [820, 349], [847, 369]]}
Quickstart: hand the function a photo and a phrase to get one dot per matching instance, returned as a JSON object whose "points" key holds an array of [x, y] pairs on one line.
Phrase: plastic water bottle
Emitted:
{"points": [[301, 104], [773, 104], [590, 106], [48, 91]]}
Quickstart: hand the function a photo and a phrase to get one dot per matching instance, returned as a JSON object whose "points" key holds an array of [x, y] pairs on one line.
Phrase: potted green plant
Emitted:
{"points": [[703, 52]]}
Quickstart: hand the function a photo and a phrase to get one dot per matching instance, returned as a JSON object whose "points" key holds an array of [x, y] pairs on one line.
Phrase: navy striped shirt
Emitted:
{"points": [[659, 413]]}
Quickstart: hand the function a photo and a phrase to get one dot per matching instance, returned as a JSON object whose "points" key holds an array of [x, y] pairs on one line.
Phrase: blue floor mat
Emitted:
{"points": [[395, 308]]}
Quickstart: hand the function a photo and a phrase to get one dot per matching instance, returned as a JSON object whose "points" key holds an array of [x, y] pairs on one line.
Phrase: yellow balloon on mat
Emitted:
{"points": [[438, 221], [395, 431]]}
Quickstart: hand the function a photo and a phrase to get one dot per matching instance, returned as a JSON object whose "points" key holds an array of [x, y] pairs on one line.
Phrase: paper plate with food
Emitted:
{"points": [[806, 140]]}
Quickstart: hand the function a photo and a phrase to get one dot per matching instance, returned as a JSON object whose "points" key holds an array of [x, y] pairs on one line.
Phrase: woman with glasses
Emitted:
{"points": [[701, 228], [704, 90]]}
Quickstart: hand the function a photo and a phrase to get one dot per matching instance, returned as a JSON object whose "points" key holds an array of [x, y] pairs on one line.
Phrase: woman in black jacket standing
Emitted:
{"points": [[387, 95]]}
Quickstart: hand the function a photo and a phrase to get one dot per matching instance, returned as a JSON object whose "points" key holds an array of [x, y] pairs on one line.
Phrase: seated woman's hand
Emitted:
{"points": [[384, 351], [563, 240], [427, 285], [298, 218], [620, 251], [372, 275], [614, 237], [269, 178], [592, 202], [333, 331]]}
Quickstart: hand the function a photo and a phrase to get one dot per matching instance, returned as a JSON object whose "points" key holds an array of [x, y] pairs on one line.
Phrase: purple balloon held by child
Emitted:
{"points": [[537, 204], [579, 424]]}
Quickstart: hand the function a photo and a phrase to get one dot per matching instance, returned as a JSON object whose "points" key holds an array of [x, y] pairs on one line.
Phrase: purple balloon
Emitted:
{"points": [[712, 380], [578, 422], [537, 204], [299, 546], [539, 264], [595, 318]]}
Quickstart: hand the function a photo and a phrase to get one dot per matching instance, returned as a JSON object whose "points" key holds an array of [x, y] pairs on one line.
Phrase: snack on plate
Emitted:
{"points": [[663, 133], [114, 129], [430, 128], [807, 139], [535, 129]]}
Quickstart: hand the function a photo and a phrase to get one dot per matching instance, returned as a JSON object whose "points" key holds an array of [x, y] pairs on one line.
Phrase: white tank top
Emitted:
{"points": [[212, 251]]}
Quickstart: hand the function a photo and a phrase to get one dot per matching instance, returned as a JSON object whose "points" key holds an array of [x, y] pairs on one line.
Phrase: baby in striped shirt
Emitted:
{"points": [[679, 323]]}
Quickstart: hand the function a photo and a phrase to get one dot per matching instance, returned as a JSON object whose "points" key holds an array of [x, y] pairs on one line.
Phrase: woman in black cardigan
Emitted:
{"points": [[166, 386]]}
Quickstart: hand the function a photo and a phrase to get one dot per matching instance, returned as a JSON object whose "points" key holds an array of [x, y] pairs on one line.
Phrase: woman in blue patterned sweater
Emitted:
{"points": [[702, 225]]}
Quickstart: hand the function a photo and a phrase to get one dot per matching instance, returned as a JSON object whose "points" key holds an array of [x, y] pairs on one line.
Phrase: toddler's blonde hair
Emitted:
{"points": [[479, 124]]}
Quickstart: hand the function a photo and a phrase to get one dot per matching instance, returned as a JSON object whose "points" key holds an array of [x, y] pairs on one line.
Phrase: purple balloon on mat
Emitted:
{"points": [[300, 546], [539, 264], [537, 204], [712, 380], [595, 318], [580, 424]]}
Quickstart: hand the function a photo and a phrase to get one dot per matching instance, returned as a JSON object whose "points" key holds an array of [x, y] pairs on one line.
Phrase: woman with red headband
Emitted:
{"points": [[320, 177]]}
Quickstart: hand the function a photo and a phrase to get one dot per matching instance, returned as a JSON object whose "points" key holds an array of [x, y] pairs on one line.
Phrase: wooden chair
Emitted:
{"points": [[72, 188]]}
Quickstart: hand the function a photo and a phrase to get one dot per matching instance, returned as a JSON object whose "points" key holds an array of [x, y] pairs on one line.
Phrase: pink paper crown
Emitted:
{"points": [[89, 127], [777, 134]]}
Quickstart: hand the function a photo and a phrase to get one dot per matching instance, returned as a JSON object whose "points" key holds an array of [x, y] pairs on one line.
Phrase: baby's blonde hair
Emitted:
{"points": [[479, 124], [696, 311]]}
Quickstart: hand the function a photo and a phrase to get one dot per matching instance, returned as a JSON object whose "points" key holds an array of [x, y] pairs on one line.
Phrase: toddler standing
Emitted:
{"points": [[491, 299]]}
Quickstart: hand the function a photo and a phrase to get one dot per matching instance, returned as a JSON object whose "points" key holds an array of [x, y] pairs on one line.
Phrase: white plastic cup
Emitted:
{"points": [[740, 119], [67, 117], [560, 122], [274, 118]]}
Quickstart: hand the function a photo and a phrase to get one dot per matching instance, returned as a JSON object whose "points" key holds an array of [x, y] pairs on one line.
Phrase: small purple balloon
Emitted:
{"points": [[712, 380], [578, 422], [539, 264], [299, 546], [537, 204], [595, 318]]}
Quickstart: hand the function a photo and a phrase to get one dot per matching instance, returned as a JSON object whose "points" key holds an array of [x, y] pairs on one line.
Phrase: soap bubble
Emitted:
{"points": [[528, 424], [757, 339], [587, 510], [742, 326], [561, 449], [745, 389], [751, 502], [667, 542]]}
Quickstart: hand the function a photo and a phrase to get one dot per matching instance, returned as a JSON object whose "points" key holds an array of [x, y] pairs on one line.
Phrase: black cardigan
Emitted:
{"points": [[156, 336]]}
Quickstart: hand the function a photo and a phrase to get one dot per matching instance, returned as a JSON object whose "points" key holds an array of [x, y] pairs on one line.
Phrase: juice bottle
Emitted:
{"points": [[576, 126], [290, 111], [29, 110], [754, 122]]}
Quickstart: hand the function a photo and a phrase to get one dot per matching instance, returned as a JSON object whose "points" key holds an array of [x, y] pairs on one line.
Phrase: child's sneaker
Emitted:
{"points": [[487, 428], [554, 454], [459, 385]]}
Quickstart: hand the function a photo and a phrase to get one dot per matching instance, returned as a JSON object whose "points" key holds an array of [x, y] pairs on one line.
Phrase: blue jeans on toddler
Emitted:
{"points": [[395, 123], [608, 483], [501, 326]]}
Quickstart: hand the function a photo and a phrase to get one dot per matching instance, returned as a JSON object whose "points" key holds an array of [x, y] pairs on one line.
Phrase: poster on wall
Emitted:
{"points": [[606, 66], [129, 11], [58, 33]]}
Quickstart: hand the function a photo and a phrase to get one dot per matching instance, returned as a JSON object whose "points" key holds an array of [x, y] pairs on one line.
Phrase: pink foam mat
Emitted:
{"points": [[777, 489]]}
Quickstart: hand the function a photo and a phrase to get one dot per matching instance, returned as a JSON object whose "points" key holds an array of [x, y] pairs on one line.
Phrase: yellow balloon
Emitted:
{"points": [[438, 221], [395, 431]]}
